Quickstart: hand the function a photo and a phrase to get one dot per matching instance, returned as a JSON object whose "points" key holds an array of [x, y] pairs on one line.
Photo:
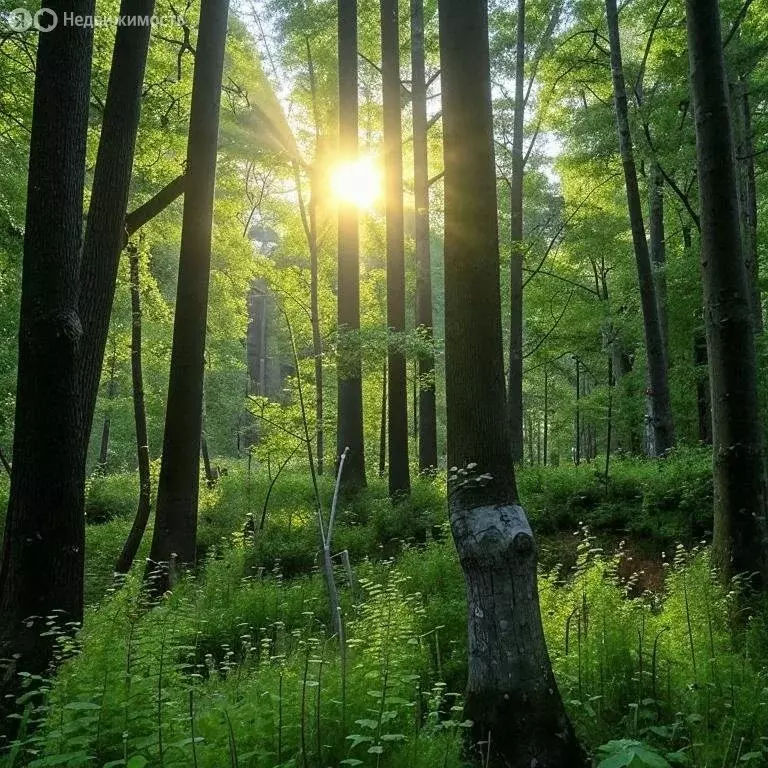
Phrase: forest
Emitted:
{"points": [[384, 383]]}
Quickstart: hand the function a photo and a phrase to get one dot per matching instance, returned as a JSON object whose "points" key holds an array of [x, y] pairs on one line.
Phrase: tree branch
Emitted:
{"points": [[737, 23], [136, 219]]}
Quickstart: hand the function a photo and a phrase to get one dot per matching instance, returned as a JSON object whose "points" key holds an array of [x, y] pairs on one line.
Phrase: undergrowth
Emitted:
{"points": [[238, 669]]}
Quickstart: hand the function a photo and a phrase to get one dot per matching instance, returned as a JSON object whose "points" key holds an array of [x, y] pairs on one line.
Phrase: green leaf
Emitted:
{"points": [[137, 761]]}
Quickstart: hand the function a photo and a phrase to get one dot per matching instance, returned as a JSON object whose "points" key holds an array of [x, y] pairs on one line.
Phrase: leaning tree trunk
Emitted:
{"points": [[350, 385], [105, 227], [178, 487], [41, 574], [739, 543], [512, 697], [397, 412], [107, 425], [661, 412], [426, 377], [132, 543], [515, 389]]}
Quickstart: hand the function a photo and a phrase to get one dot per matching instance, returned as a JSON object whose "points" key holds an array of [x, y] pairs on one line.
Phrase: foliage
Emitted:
{"points": [[241, 660]]}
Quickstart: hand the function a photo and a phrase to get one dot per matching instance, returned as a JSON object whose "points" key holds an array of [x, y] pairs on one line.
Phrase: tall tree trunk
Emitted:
{"points": [[177, 494], [383, 427], [703, 392], [350, 385], [105, 226], [424, 320], [511, 691], [106, 428], [739, 544], [397, 413], [42, 558], [317, 338], [546, 415], [661, 416], [515, 390], [745, 167], [577, 438], [133, 542], [210, 474], [314, 271], [658, 249]]}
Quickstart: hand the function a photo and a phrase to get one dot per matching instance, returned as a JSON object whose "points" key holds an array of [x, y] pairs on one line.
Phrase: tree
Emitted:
{"points": [[105, 227], [739, 544], [132, 543], [45, 525], [661, 410], [426, 389], [397, 411], [177, 495], [511, 698], [350, 397], [515, 388]]}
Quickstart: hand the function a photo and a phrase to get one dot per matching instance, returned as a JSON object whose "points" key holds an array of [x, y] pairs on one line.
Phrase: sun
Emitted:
{"points": [[357, 182]]}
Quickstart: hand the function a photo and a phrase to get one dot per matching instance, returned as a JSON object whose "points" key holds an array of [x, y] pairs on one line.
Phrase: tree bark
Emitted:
{"points": [[105, 226], [42, 559], [133, 542], [350, 385], [383, 425], [661, 416], [511, 691], [106, 427], [397, 412], [317, 338], [177, 495], [739, 543], [658, 249], [745, 166], [577, 437], [426, 390], [515, 389], [703, 393], [546, 415]]}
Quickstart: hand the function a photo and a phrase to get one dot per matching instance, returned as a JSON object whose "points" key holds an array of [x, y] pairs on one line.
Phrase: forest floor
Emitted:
{"points": [[238, 667]]}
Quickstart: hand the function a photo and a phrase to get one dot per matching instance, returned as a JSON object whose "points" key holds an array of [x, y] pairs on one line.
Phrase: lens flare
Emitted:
{"points": [[357, 182]]}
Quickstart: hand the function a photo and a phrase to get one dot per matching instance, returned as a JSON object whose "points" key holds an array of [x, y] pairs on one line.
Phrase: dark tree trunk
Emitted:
{"points": [[424, 320], [661, 416], [383, 428], [739, 544], [211, 477], [42, 558], [703, 393], [515, 389], [177, 494], [658, 249], [745, 166], [133, 542], [511, 691], [105, 226], [546, 415], [106, 428], [577, 438], [397, 412], [350, 385]]}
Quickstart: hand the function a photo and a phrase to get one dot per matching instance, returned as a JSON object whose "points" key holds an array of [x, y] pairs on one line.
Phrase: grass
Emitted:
{"points": [[238, 668]]}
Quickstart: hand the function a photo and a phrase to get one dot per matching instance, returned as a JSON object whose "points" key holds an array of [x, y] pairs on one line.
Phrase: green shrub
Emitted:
{"points": [[110, 497]]}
